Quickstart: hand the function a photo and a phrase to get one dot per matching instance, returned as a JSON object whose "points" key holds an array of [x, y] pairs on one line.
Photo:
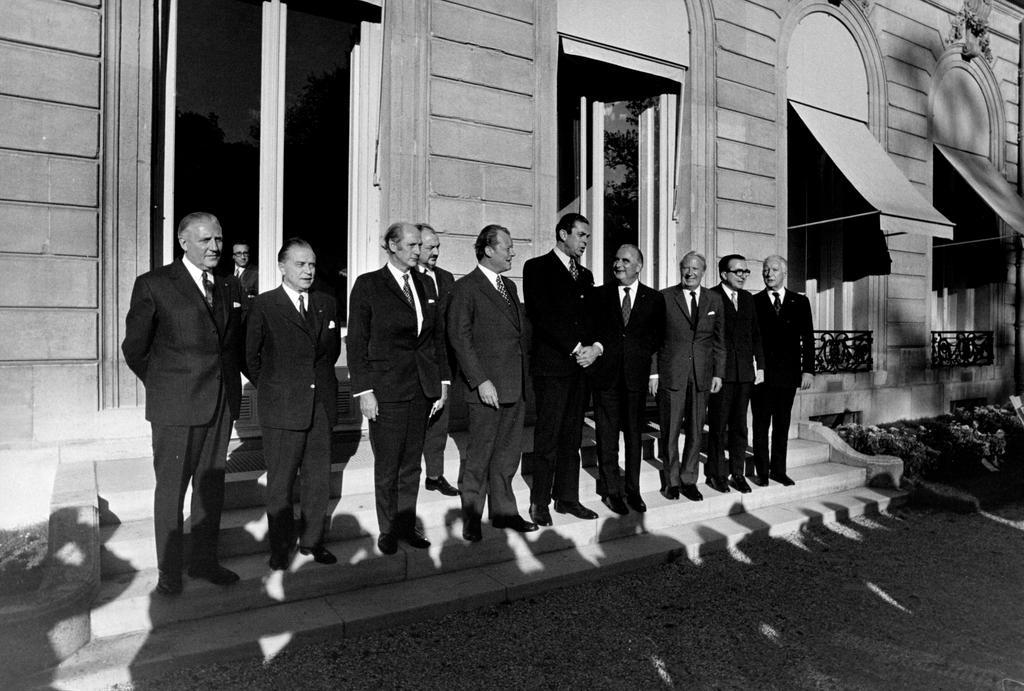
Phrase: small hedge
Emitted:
{"points": [[946, 446]]}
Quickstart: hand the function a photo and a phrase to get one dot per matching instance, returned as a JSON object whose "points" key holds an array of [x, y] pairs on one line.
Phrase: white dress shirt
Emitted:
{"points": [[293, 295], [398, 275], [197, 275]]}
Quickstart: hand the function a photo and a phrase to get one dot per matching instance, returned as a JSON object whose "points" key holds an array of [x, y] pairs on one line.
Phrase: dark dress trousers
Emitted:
{"points": [[788, 339], [727, 409], [619, 379], [490, 343], [437, 427], [404, 369], [555, 305], [189, 356], [291, 363], [690, 355]]}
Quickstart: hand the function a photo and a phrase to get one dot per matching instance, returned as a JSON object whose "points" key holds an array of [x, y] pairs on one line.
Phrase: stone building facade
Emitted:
{"points": [[851, 136]]}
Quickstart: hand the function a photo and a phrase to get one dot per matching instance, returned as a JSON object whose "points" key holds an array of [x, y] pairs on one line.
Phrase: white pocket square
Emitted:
{"points": [[430, 301], [331, 325], [711, 313], [235, 305]]}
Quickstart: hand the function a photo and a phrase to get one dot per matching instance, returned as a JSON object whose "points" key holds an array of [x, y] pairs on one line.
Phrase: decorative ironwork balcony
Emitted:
{"points": [[962, 348], [842, 351]]}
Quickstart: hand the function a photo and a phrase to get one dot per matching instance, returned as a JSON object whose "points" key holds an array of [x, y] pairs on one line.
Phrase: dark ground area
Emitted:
{"points": [[922, 598]]}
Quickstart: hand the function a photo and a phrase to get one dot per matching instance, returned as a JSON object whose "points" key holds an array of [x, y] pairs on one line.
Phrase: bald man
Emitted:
{"points": [[183, 340]]}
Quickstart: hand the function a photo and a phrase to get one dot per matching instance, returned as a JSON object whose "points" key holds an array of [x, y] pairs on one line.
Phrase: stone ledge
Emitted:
{"points": [[43, 627], [882, 471]]}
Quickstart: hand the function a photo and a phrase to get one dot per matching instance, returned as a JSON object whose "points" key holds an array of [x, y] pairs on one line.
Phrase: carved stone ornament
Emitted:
{"points": [[969, 30]]}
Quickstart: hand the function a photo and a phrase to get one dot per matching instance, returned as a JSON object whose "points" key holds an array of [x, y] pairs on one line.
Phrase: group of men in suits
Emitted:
{"points": [[190, 334]]}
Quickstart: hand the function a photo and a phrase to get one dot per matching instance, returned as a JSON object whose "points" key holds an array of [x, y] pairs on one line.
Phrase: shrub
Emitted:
{"points": [[947, 445]]}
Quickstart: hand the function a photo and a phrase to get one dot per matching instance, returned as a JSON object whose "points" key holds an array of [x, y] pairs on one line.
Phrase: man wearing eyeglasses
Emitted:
{"points": [[246, 273], [744, 367]]}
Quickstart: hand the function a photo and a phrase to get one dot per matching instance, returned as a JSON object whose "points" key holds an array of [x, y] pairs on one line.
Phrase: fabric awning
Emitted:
{"points": [[861, 159], [992, 187]]}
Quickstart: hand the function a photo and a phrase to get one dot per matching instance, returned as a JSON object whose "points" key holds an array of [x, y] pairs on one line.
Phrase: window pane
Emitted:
{"points": [[216, 156], [316, 134], [621, 164]]}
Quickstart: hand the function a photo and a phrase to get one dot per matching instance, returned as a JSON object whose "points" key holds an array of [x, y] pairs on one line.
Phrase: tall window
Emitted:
{"points": [[617, 158], [262, 125]]}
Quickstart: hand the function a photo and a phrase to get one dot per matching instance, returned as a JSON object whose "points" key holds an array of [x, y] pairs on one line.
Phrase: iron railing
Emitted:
{"points": [[962, 348], [842, 351]]}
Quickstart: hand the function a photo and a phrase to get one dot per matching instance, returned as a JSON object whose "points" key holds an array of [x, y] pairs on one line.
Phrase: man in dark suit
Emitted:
{"points": [[727, 409], [628, 320], [555, 285], [183, 339], [291, 346], [400, 376], [487, 329], [438, 283], [788, 337], [245, 271], [690, 365]]}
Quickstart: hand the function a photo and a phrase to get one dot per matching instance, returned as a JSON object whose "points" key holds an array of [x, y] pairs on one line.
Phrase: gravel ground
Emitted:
{"points": [[918, 599]]}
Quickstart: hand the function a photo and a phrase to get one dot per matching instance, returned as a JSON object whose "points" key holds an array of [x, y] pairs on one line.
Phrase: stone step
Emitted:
{"points": [[125, 603], [126, 485], [129, 546], [135, 652]]}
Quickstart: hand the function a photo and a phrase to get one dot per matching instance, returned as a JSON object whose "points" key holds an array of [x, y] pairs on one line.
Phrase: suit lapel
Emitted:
{"points": [[392, 285], [188, 288], [287, 307], [491, 293]]}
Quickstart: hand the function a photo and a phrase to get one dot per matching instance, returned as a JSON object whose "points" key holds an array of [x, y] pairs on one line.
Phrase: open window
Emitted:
{"points": [[264, 124]]}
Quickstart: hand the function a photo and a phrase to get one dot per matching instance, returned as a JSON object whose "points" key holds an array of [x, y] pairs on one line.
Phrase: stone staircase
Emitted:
{"points": [[135, 633]]}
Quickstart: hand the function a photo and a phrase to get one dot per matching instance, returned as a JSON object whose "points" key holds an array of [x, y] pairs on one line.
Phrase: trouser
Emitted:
{"points": [[396, 438], [772, 407]]}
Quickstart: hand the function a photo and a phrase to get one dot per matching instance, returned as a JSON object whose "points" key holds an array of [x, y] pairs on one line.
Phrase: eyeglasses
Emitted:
{"points": [[739, 272], [240, 254]]}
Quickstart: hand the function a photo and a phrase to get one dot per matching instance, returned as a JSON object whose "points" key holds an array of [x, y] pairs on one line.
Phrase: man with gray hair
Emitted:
{"points": [[183, 340], [784, 318], [690, 366]]}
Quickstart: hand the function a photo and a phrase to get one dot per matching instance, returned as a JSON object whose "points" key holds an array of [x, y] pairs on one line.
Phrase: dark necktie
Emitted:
{"points": [[208, 289], [627, 306], [302, 306], [432, 283], [407, 290], [573, 271], [500, 285], [776, 303], [693, 309]]}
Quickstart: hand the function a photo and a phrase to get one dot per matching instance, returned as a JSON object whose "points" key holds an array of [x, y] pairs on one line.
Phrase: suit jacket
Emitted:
{"points": [[384, 351], [182, 350], [443, 297], [687, 354], [742, 337], [788, 338], [291, 361], [628, 348], [248, 279], [488, 342], [556, 306]]}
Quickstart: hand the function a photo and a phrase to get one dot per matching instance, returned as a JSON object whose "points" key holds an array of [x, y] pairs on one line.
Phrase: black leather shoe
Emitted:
{"points": [[471, 532], [634, 502], [615, 505], [782, 479], [414, 538], [575, 509], [279, 562], [691, 492], [540, 515], [441, 485], [718, 484], [387, 543], [321, 555], [168, 584], [740, 484], [516, 523], [214, 573], [760, 480], [671, 492]]}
